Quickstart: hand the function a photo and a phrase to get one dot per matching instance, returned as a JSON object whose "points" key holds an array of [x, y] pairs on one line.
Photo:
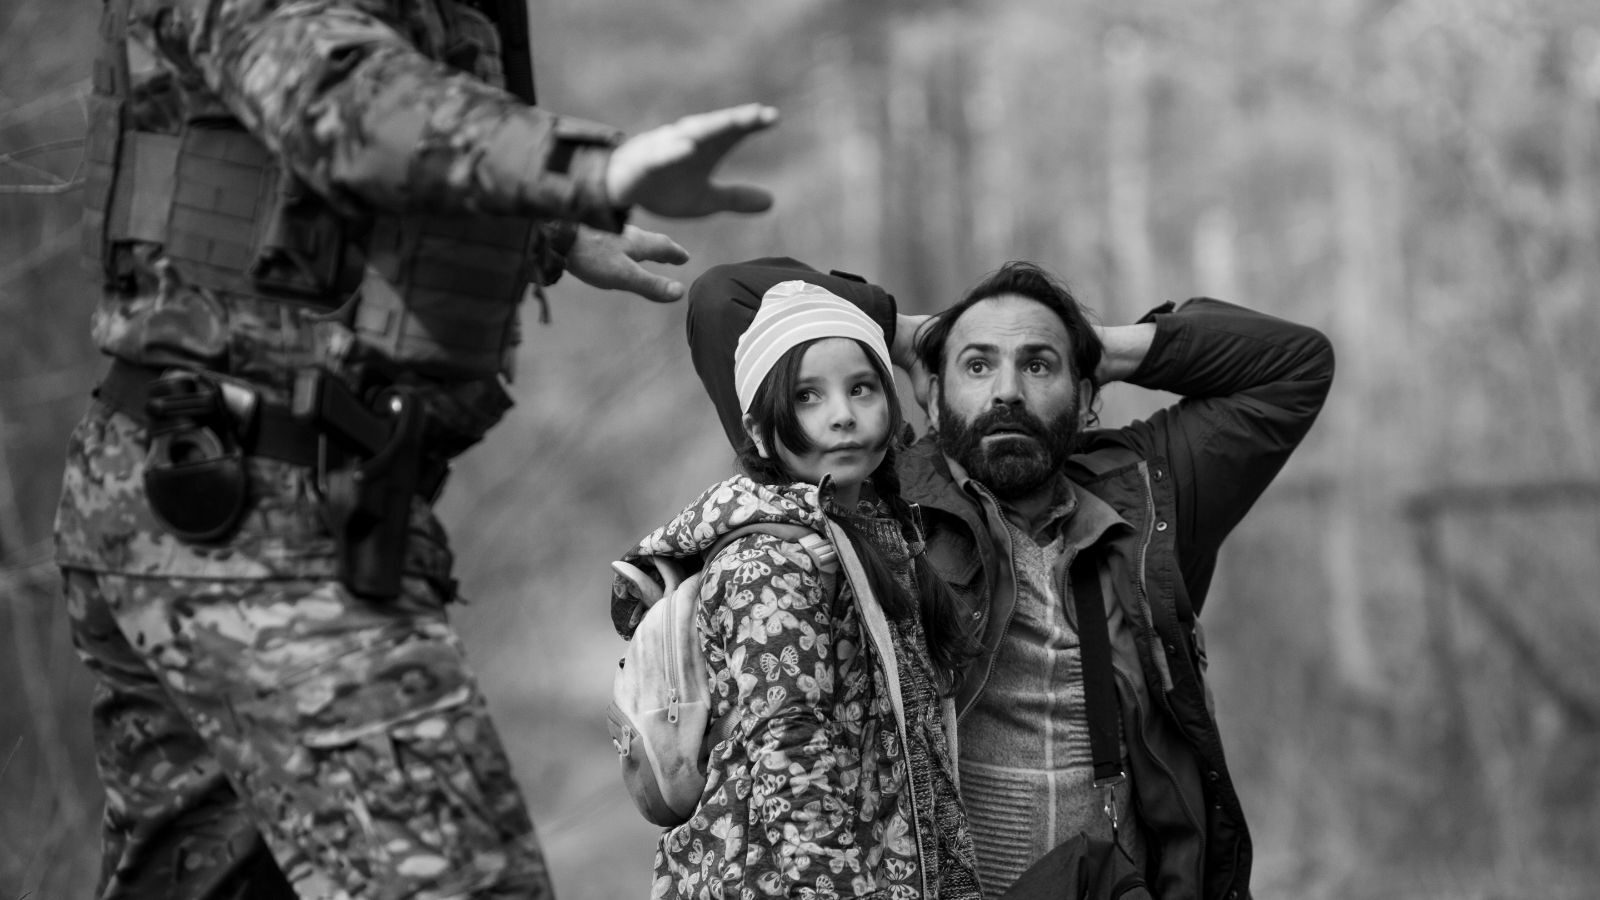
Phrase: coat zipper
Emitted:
{"points": [[1146, 619], [674, 675], [1011, 560]]}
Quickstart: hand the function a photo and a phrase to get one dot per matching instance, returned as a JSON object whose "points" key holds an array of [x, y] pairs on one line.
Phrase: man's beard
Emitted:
{"points": [[1011, 467]]}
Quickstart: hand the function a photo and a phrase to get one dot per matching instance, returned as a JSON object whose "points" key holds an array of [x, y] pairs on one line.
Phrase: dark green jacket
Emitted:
{"points": [[1180, 481]]}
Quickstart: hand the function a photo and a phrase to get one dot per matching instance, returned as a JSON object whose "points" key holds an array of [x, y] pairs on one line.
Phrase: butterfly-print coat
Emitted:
{"points": [[810, 795]]}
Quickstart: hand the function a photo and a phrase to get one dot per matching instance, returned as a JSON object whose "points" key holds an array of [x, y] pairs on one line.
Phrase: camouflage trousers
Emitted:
{"points": [[283, 738]]}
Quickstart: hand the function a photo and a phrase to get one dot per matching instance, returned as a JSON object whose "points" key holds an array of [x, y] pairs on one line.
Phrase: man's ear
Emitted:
{"points": [[1086, 415], [749, 423], [932, 407]]}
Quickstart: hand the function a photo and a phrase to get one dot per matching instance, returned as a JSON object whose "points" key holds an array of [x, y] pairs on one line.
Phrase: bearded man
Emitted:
{"points": [[1023, 502]]}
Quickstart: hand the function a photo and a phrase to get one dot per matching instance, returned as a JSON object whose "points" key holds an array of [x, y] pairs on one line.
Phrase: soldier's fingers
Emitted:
{"points": [[652, 246], [742, 198], [730, 123], [652, 287]]}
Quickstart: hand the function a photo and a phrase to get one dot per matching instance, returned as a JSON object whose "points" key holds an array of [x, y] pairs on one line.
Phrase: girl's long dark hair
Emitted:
{"points": [[950, 644]]}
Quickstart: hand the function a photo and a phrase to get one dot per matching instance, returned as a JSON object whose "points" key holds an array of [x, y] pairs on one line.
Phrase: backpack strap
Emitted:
{"points": [[873, 619], [822, 553], [1099, 689]]}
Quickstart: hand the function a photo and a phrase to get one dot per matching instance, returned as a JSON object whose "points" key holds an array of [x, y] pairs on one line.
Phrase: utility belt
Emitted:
{"points": [[367, 455]]}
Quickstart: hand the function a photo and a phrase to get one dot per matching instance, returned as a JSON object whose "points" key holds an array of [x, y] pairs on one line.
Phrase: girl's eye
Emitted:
{"points": [[805, 395], [863, 389]]}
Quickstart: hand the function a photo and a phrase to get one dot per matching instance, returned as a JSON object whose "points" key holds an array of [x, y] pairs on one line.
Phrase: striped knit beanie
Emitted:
{"points": [[792, 313]]}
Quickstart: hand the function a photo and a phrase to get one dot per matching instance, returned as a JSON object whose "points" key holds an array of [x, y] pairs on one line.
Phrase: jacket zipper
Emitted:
{"points": [[901, 726], [1011, 560], [674, 675], [1147, 619]]}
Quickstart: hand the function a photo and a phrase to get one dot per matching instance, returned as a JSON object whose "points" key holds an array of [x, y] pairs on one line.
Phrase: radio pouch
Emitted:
{"points": [[194, 475]]}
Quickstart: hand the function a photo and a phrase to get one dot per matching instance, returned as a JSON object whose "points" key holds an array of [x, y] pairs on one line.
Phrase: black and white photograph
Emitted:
{"points": [[817, 449]]}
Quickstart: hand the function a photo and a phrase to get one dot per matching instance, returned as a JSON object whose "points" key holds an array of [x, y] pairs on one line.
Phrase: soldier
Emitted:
{"points": [[314, 221]]}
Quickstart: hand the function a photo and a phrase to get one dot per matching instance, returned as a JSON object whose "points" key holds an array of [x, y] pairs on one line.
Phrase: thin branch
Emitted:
{"points": [[55, 184], [36, 149], [31, 169], [1479, 498], [19, 114], [10, 756], [60, 187], [1580, 705]]}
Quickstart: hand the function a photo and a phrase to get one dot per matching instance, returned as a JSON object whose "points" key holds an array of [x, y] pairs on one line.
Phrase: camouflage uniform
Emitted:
{"points": [[262, 731]]}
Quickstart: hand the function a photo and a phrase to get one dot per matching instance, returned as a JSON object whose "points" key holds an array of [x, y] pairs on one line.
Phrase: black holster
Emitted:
{"points": [[368, 474]]}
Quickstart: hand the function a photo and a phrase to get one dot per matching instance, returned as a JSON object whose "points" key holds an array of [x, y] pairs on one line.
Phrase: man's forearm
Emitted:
{"points": [[903, 352], [1208, 348], [1125, 349], [340, 93]]}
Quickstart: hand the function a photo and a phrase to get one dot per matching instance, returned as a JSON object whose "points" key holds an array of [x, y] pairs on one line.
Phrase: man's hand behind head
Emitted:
{"points": [[667, 170]]}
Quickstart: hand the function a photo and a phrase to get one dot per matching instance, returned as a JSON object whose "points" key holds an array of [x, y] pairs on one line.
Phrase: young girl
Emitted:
{"points": [[814, 794]]}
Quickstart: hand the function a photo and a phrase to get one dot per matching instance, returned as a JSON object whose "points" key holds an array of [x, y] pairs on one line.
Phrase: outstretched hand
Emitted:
{"points": [[667, 170], [611, 262]]}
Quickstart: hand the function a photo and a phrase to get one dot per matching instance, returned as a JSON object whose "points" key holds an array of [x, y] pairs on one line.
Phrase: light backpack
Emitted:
{"points": [[660, 712]]}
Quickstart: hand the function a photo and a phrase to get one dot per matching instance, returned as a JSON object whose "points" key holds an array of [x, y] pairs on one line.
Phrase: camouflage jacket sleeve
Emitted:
{"points": [[354, 98]]}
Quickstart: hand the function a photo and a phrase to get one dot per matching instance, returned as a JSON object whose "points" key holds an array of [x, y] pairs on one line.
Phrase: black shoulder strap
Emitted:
{"points": [[1099, 688], [516, 54]]}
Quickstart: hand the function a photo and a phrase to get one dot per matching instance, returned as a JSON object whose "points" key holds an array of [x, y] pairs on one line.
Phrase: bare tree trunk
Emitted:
{"points": [[1365, 285], [1128, 168], [12, 538], [1215, 254], [849, 76], [995, 169], [963, 152]]}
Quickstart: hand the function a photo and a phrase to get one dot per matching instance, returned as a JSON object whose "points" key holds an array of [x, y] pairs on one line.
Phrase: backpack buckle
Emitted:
{"points": [[1108, 795]]}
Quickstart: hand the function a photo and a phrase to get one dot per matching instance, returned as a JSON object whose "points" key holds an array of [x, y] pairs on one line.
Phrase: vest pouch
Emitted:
{"points": [[196, 484], [301, 249], [101, 149], [440, 294]]}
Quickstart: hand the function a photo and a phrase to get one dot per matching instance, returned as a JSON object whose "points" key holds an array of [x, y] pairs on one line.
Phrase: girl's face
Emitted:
{"points": [[843, 408]]}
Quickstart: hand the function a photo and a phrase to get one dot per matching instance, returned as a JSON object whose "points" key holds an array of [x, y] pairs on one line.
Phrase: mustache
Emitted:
{"points": [[1009, 418]]}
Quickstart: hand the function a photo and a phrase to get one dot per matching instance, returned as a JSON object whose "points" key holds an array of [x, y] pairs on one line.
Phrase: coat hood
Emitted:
{"points": [[721, 508]]}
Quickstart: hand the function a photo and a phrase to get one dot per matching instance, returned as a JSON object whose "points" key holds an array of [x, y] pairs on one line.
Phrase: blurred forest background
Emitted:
{"points": [[1401, 634]]}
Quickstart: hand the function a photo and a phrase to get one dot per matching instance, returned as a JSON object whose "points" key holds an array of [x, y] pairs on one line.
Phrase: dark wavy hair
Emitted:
{"points": [[1029, 280], [950, 644]]}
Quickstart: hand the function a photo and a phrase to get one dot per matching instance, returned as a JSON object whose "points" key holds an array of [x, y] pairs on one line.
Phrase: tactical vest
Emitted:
{"points": [[437, 295]]}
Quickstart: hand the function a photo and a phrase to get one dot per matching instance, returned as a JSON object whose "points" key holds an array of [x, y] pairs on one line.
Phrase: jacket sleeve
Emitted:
{"points": [[782, 780], [340, 92], [1252, 385]]}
